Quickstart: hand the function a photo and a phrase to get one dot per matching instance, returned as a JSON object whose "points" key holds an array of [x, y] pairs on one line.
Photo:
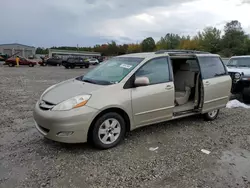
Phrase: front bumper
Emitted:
{"points": [[239, 86], [64, 126]]}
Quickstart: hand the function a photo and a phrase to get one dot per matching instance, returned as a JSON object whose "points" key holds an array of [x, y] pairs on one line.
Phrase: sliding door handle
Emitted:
{"points": [[168, 87]]}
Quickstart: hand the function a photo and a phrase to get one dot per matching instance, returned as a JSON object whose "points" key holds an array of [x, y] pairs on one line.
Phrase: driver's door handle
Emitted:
{"points": [[168, 87]]}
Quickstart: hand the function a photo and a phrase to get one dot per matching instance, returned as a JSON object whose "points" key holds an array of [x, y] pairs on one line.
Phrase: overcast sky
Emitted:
{"points": [[88, 22]]}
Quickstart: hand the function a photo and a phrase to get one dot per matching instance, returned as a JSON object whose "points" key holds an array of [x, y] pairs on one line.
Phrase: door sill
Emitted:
{"points": [[184, 114]]}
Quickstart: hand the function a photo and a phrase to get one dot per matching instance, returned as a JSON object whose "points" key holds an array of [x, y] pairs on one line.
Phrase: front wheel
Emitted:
{"points": [[72, 66], [31, 65], [87, 66], [210, 116], [108, 131], [246, 95]]}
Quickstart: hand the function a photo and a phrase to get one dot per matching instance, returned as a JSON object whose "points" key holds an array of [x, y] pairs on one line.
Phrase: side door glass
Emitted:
{"points": [[157, 71]]}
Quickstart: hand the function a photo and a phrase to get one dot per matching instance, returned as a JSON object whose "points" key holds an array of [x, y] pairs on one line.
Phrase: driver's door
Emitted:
{"points": [[155, 102]]}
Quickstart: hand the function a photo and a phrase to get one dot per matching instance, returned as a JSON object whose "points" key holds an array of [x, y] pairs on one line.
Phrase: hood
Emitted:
{"points": [[68, 89], [245, 70]]}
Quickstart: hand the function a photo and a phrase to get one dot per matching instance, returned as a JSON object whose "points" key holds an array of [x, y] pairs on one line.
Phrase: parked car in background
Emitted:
{"points": [[44, 60], [225, 60], [131, 91], [54, 61], [11, 62], [3, 57], [239, 69], [100, 58], [93, 61], [73, 62]]}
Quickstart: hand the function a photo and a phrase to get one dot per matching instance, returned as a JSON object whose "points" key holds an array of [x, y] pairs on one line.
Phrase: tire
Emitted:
{"points": [[31, 65], [10, 65], [72, 66], [246, 95], [210, 116], [81, 67], [66, 67], [86, 66], [101, 134]]}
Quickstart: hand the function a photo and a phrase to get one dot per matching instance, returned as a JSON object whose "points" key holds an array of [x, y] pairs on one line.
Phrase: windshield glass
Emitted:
{"points": [[112, 71], [239, 62]]}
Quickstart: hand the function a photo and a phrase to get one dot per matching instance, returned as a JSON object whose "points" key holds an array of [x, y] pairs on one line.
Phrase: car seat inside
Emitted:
{"points": [[186, 81]]}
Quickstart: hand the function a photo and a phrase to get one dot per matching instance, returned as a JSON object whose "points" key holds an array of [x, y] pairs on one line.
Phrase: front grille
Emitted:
{"points": [[45, 105]]}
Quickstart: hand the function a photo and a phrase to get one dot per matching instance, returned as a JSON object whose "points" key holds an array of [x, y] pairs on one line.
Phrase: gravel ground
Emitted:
{"points": [[29, 160]]}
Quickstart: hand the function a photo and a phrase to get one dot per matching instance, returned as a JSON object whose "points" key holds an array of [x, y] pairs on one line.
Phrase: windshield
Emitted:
{"points": [[112, 71], [239, 62]]}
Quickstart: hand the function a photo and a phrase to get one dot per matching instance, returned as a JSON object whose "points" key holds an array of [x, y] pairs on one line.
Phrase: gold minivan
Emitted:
{"points": [[130, 91]]}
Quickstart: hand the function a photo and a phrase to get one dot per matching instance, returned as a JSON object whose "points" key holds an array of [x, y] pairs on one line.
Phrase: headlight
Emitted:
{"points": [[237, 75], [74, 102]]}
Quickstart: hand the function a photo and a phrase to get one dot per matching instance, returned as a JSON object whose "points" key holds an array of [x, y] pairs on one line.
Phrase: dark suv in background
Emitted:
{"points": [[239, 69], [73, 62]]}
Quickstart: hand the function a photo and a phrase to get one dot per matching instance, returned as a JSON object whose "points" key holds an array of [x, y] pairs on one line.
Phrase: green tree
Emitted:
{"points": [[233, 41], [162, 44], [148, 45], [172, 40], [210, 39], [134, 48], [40, 50]]}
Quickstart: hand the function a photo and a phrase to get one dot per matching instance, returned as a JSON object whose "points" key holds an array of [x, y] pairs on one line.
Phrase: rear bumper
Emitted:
{"points": [[64, 126]]}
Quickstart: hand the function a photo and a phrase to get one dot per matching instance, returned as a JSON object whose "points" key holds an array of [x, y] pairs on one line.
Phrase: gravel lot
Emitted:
{"points": [[29, 160]]}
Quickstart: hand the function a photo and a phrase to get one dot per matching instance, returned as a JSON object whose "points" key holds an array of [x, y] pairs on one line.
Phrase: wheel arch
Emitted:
{"points": [[112, 109]]}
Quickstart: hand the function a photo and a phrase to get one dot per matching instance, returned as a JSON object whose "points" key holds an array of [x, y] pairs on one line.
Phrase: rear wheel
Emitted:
{"points": [[66, 66], [210, 116], [10, 65], [31, 65], [81, 67], [108, 131], [87, 66], [72, 66]]}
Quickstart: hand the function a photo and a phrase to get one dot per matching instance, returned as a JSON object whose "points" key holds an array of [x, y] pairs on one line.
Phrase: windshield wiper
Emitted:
{"points": [[88, 81]]}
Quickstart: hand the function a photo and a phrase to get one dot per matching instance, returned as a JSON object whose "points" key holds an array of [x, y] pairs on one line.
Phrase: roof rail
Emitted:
{"points": [[181, 51]]}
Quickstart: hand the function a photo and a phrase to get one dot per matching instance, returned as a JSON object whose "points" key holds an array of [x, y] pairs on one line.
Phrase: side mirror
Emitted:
{"points": [[141, 81]]}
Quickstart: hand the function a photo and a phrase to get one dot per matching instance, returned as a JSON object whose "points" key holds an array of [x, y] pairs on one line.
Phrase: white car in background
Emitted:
{"points": [[93, 61]]}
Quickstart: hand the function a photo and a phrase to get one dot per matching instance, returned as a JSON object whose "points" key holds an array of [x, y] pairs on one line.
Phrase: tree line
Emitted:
{"points": [[231, 41]]}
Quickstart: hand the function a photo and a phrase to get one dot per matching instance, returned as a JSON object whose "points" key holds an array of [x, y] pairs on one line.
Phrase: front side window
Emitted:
{"points": [[239, 62], [112, 71], [211, 67], [156, 70]]}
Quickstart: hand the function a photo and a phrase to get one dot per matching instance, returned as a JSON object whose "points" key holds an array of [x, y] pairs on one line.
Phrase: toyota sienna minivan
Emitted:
{"points": [[131, 91]]}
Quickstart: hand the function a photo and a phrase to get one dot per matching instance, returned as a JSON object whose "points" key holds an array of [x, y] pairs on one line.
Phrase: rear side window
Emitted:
{"points": [[211, 67]]}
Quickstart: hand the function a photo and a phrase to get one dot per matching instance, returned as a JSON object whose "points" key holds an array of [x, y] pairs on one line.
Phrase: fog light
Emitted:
{"points": [[65, 133]]}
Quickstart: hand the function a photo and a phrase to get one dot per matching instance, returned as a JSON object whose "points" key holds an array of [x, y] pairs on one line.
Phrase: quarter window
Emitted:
{"points": [[211, 67], [156, 70]]}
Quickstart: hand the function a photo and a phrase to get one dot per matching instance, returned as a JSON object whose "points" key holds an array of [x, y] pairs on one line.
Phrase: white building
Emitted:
{"points": [[20, 49]]}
